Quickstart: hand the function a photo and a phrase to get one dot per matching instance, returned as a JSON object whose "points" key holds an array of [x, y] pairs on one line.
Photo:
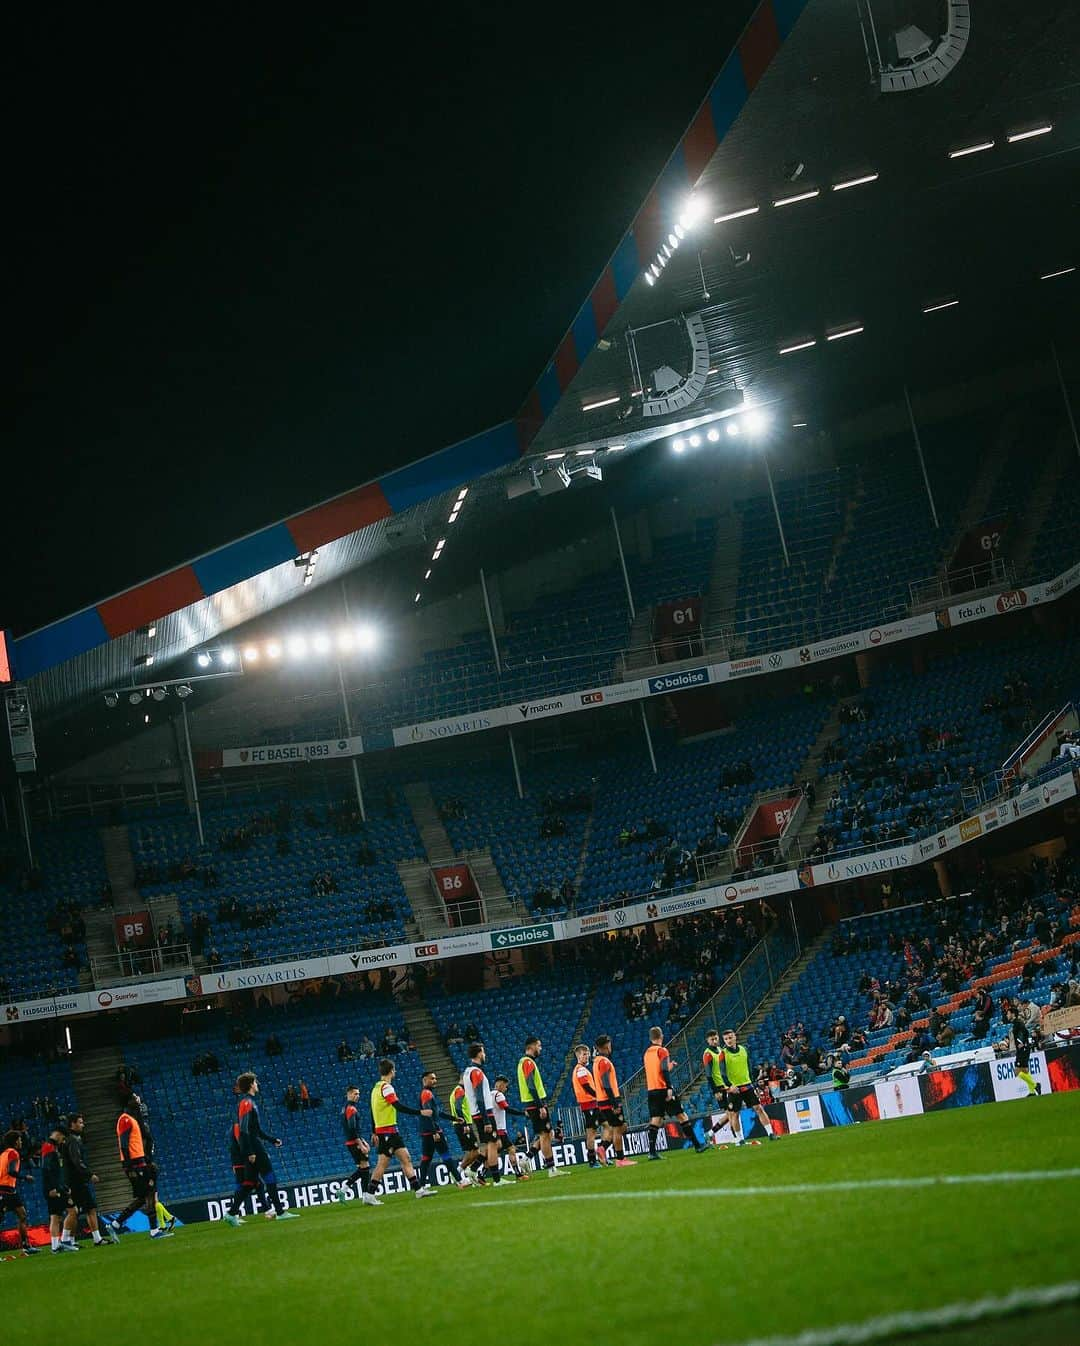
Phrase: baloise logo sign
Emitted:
{"points": [[522, 936], [678, 682]]}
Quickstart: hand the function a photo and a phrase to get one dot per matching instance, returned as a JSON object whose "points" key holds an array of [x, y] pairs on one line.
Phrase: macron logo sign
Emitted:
{"points": [[678, 682]]}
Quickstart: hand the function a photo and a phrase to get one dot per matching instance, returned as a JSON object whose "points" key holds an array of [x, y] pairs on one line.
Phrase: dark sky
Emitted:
{"points": [[257, 262]]}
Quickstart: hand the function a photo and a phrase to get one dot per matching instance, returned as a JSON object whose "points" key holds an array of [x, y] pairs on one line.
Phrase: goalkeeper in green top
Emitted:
{"points": [[729, 1075]]}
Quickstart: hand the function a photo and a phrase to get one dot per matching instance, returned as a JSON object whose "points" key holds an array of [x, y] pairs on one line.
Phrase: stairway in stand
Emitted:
{"points": [[809, 771], [94, 1074], [579, 1036], [429, 1046], [639, 651], [784, 984], [723, 585], [120, 867], [1040, 502]]}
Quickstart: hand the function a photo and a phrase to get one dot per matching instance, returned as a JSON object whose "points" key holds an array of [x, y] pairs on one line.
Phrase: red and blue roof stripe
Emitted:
{"points": [[470, 458]]}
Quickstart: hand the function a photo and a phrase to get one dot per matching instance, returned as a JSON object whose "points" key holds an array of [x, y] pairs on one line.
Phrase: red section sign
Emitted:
{"points": [[677, 629], [767, 824], [134, 929], [457, 889]]}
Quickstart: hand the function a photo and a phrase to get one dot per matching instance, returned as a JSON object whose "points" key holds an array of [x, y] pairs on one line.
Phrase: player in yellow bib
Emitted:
{"points": [[734, 1069]]}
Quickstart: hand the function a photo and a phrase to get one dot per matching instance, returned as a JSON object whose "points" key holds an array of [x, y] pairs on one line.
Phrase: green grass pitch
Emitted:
{"points": [[676, 1251]]}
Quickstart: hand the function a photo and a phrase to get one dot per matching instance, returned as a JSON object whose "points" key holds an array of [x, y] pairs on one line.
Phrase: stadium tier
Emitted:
{"points": [[283, 874], [35, 1091]]}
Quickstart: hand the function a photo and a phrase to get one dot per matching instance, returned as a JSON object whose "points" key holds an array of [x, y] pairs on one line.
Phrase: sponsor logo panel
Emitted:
{"points": [[742, 668], [1008, 1086], [970, 828], [678, 682], [591, 698], [1012, 600], [275, 754], [432, 731], [522, 936], [426, 951], [536, 710]]}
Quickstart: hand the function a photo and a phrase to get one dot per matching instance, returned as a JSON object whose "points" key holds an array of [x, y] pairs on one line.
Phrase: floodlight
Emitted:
{"points": [[273, 649], [733, 428], [693, 211], [678, 445], [713, 435], [111, 699], [366, 637], [183, 691], [251, 653], [757, 422], [297, 646], [204, 660], [695, 441], [345, 641], [228, 657], [321, 643], [134, 698]]}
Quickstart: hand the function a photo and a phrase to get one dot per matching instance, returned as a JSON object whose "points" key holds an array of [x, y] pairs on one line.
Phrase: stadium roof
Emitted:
{"points": [[981, 229]]}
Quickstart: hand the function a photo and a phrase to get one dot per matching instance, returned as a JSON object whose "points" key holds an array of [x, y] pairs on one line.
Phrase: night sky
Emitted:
{"points": [[258, 262]]}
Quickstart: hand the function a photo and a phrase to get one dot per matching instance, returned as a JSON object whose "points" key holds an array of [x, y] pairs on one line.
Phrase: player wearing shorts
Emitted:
{"points": [[609, 1102], [734, 1065], [663, 1100], [534, 1100], [385, 1106], [358, 1149], [138, 1166], [478, 1095], [1021, 1037], [253, 1140], [710, 1063], [432, 1139], [585, 1093], [82, 1179], [11, 1203], [54, 1185], [501, 1109], [472, 1162]]}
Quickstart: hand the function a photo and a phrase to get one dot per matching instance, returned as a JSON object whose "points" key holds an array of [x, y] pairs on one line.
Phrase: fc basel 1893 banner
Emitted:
{"points": [[281, 754]]}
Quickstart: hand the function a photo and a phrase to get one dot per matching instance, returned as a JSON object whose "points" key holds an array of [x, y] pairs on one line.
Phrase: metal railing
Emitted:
{"points": [[967, 582], [729, 1006], [115, 969]]}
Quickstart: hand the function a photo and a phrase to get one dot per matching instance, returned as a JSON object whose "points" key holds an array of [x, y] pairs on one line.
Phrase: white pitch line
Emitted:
{"points": [[801, 1188], [908, 1323]]}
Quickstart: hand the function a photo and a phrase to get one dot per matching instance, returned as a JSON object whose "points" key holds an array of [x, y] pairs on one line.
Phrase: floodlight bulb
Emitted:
{"points": [[678, 445], [713, 435], [733, 428], [297, 647], [757, 422], [693, 210], [273, 650], [204, 660], [228, 658], [366, 638], [695, 441], [344, 641], [321, 643], [650, 279], [251, 654]]}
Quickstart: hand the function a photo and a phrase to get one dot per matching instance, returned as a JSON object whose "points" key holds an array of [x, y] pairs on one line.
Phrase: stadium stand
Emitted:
{"points": [[269, 858], [36, 1092]]}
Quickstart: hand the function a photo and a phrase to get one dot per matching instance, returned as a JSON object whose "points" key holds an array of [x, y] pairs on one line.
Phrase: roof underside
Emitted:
{"points": [[981, 229]]}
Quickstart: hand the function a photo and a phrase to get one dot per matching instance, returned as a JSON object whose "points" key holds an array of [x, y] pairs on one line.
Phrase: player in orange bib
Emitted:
{"points": [[663, 1100], [608, 1101], [585, 1093]]}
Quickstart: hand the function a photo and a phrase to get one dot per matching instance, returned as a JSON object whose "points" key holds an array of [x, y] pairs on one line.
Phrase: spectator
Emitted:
{"points": [[367, 1047], [273, 1045], [345, 1052]]}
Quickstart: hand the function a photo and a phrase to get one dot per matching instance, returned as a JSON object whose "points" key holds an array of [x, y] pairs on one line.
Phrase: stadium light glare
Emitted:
{"points": [[251, 654], [151, 632], [733, 429], [1064, 271], [736, 214], [695, 441], [228, 657], [321, 643], [1043, 130], [944, 303], [273, 649], [297, 647], [148, 660], [965, 150], [844, 332], [680, 234], [713, 436], [693, 212], [603, 402], [344, 641], [798, 346], [855, 182], [677, 445], [800, 196], [649, 278], [203, 660], [756, 422], [366, 637]]}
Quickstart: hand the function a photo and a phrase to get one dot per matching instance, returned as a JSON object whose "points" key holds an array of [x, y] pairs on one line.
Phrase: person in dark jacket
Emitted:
{"points": [[54, 1185], [81, 1179]]}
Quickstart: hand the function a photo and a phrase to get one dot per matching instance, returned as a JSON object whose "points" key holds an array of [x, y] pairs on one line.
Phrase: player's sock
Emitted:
{"points": [[455, 1171], [425, 1172], [236, 1202], [654, 1131], [591, 1156], [274, 1195], [494, 1173], [54, 1240], [414, 1182], [1026, 1077], [95, 1234]]}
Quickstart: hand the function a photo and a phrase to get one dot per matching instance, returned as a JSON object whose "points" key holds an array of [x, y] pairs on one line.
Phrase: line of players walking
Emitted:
{"points": [[479, 1112]]}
